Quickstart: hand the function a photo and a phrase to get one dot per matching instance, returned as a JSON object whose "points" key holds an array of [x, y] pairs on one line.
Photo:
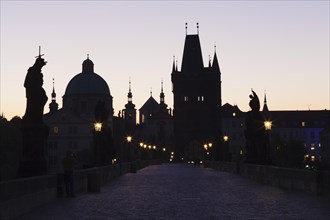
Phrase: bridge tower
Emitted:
{"points": [[197, 100]]}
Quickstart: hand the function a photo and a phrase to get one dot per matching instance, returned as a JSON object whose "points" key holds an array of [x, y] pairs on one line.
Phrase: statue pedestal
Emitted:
{"points": [[34, 160]]}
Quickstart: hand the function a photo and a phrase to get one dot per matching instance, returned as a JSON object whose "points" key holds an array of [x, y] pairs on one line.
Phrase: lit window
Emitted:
{"points": [[202, 98], [142, 118], [312, 146], [303, 124], [186, 98], [55, 129], [234, 114], [313, 158]]}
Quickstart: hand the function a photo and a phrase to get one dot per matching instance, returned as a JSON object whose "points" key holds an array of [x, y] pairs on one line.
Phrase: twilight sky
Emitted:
{"points": [[278, 46]]}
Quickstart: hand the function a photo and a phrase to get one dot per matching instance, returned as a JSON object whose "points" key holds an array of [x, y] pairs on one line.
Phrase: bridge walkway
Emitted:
{"points": [[179, 191]]}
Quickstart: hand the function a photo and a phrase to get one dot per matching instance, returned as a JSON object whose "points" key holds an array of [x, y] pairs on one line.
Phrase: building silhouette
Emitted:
{"points": [[71, 127], [197, 99], [198, 117]]}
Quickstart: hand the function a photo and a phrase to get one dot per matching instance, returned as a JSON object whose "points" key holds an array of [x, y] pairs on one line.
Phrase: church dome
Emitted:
{"points": [[87, 82]]}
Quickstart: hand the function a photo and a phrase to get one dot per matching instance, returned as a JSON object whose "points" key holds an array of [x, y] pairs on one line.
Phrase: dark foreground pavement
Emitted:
{"points": [[178, 191]]}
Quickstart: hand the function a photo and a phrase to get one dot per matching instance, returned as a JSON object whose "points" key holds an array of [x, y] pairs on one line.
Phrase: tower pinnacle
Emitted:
{"points": [[53, 106]]}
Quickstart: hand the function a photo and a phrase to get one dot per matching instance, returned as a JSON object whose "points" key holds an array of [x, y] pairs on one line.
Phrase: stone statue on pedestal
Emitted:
{"points": [[255, 133], [34, 131]]}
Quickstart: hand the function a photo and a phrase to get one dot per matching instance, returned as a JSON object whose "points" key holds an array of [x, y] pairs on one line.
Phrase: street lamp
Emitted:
{"points": [[268, 128], [225, 138], [129, 139], [268, 125], [98, 126]]}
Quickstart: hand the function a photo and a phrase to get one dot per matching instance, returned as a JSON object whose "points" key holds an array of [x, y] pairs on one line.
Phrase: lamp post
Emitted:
{"points": [[226, 147], [129, 148], [98, 126], [97, 143], [268, 128]]}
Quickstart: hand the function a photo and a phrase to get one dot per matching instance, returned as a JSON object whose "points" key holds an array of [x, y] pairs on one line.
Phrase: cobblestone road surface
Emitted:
{"points": [[178, 191]]}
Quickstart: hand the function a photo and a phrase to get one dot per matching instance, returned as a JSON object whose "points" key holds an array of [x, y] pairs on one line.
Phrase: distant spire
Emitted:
{"points": [[53, 93], [265, 108], [209, 61], [176, 66], [87, 55], [163, 106], [151, 91], [197, 28], [173, 67], [129, 85], [129, 95], [215, 64], [186, 27], [161, 89], [53, 106]]}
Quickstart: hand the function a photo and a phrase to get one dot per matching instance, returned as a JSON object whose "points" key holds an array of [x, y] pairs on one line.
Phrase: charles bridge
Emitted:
{"points": [[151, 190]]}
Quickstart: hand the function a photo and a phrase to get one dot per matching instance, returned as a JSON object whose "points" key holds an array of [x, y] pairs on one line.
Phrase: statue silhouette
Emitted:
{"points": [[254, 102], [254, 133], [35, 94], [34, 156]]}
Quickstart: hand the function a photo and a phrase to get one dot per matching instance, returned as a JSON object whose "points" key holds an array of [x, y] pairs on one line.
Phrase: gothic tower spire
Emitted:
{"points": [[53, 106], [129, 95], [265, 108], [130, 112], [162, 95], [215, 64], [173, 67]]}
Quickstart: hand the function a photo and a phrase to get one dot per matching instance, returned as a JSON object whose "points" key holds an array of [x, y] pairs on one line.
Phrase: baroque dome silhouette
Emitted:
{"points": [[87, 82]]}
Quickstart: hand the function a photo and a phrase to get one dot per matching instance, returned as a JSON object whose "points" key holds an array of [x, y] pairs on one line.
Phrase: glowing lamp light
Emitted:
{"points": [[225, 138], [241, 152], [141, 144], [268, 125], [129, 138], [154, 147], [210, 144], [164, 149], [97, 126]]}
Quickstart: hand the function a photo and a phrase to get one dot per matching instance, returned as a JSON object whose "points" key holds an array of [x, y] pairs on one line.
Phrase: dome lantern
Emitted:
{"points": [[88, 65]]}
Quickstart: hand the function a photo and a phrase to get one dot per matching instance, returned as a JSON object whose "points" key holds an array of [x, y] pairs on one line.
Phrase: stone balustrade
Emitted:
{"points": [[311, 181], [22, 195]]}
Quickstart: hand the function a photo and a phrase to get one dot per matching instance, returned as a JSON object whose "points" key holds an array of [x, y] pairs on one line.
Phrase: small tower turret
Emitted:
{"points": [[53, 106], [130, 111]]}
